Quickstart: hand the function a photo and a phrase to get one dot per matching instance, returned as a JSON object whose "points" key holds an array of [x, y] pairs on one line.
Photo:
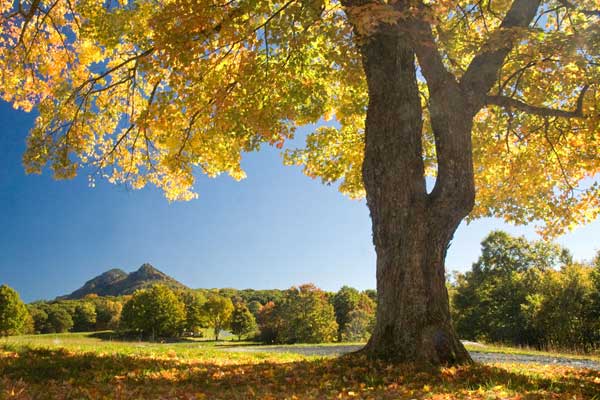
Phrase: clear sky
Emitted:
{"points": [[275, 229]]}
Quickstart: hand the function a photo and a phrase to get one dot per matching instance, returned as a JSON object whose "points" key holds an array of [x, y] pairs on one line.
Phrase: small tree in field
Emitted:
{"points": [[13, 313], [269, 322], [59, 320], [361, 320], [218, 310], [194, 312], [344, 302], [39, 316], [242, 321], [359, 325], [307, 316], [84, 317], [108, 313], [154, 312]]}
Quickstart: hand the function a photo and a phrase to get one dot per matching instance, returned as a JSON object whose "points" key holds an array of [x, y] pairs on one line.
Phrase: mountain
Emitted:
{"points": [[116, 282]]}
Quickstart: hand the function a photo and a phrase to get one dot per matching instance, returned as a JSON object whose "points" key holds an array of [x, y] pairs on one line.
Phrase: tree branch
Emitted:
{"points": [[569, 5], [509, 102], [435, 72], [482, 73]]}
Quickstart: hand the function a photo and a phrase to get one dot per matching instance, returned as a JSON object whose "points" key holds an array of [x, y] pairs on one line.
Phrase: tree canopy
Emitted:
{"points": [[13, 313], [305, 316], [155, 312], [84, 317], [527, 293], [194, 312], [242, 321], [152, 91], [218, 310]]}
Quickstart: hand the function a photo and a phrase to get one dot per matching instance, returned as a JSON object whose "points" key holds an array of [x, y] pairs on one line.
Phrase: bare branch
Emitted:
{"points": [[92, 80], [558, 159], [511, 103]]}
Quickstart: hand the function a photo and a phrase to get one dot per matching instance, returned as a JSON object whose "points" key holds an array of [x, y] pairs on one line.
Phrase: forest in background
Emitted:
{"points": [[519, 292]]}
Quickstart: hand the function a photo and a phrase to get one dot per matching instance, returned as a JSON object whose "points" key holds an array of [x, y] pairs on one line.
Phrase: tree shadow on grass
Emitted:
{"points": [[61, 374], [131, 338], [233, 345], [111, 336]]}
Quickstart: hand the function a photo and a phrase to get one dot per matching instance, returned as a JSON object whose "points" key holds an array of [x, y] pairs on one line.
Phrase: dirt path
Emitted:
{"points": [[482, 357]]}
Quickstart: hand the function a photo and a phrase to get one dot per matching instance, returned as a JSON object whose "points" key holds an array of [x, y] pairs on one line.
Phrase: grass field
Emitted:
{"points": [[531, 352], [81, 366]]}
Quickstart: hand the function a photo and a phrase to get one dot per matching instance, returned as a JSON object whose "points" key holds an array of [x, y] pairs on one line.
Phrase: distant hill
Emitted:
{"points": [[116, 282]]}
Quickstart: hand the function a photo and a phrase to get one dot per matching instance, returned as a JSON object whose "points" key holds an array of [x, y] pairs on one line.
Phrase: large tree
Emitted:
{"points": [[497, 98]]}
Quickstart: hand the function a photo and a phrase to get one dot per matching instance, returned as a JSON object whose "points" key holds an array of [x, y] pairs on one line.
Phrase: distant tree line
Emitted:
{"points": [[518, 292], [92, 313], [303, 314], [299, 314], [528, 293]]}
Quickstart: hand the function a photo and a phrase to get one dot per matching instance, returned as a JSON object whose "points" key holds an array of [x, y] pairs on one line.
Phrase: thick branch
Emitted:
{"points": [[510, 103], [435, 72], [482, 73]]}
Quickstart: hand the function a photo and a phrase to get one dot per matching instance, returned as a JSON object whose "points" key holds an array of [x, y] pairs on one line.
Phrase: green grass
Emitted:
{"points": [[81, 366], [489, 348], [105, 344]]}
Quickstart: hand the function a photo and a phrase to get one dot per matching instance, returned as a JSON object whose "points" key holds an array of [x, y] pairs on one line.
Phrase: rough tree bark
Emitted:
{"points": [[412, 228]]}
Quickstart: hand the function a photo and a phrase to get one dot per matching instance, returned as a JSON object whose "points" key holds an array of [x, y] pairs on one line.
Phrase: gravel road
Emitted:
{"points": [[482, 357]]}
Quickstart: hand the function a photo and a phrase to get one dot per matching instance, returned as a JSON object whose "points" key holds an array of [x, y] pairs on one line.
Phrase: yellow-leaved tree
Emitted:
{"points": [[497, 100]]}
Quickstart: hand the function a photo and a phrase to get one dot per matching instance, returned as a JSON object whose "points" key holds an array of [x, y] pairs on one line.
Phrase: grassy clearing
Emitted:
{"points": [[487, 348], [105, 344], [79, 366]]}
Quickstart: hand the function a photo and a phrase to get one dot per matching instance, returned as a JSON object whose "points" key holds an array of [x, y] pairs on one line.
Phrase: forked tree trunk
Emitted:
{"points": [[411, 228]]}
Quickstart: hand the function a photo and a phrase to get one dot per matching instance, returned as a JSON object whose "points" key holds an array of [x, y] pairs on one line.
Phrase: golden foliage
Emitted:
{"points": [[156, 91]]}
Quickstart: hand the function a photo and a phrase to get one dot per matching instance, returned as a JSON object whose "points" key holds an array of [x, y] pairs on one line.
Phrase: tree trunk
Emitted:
{"points": [[411, 228]]}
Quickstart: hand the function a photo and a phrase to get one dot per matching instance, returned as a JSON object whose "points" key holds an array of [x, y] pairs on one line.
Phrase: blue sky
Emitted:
{"points": [[275, 229]]}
